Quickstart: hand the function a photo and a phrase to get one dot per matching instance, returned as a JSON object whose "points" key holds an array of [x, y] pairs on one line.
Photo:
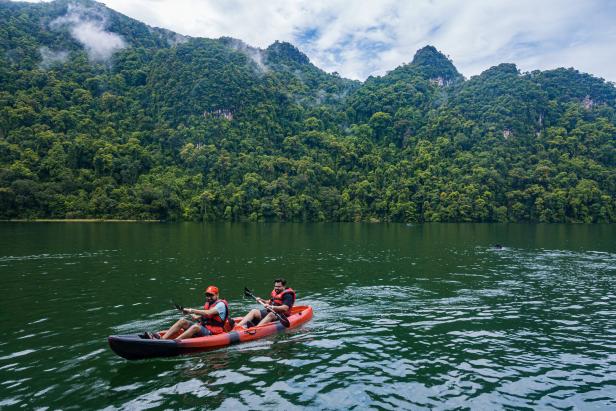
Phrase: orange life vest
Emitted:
{"points": [[213, 322], [276, 299]]}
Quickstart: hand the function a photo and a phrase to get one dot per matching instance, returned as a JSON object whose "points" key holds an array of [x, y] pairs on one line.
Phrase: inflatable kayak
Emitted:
{"points": [[135, 347]]}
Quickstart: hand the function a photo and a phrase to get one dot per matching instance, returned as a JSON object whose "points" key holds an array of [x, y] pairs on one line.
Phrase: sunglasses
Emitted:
{"points": [[209, 295]]}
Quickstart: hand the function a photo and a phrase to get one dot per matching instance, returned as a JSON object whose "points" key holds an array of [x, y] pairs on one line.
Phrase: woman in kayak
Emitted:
{"points": [[213, 319], [281, 300]]}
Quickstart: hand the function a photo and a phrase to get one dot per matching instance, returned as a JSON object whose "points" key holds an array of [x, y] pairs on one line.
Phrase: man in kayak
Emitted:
{"points": [[212, 320], [281, 300]]}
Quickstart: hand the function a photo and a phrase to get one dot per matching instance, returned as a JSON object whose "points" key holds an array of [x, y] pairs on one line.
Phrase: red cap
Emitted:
{"points": [[212, 289]]}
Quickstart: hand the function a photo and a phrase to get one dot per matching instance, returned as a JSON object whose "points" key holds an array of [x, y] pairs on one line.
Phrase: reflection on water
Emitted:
{"points": [[405, 317]]}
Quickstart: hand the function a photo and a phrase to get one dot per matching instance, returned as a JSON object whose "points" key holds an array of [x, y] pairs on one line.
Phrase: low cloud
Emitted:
{"points": [[254, 54], [51, 57], [87, 26], [173, 39]]}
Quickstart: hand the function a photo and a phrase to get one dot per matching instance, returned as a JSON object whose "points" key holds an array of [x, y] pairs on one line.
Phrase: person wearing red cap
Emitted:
{"points": [[213, 319]]}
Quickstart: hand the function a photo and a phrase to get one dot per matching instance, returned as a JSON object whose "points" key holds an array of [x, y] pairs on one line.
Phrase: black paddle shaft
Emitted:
{"points": [[177, 306], [283, 320]]}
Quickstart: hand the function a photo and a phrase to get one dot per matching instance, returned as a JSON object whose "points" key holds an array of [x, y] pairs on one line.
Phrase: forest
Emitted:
{"points": [[156, 125]]}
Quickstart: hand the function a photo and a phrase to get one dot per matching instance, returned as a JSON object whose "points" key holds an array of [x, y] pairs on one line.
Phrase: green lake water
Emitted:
{"points": [[406, 317]]}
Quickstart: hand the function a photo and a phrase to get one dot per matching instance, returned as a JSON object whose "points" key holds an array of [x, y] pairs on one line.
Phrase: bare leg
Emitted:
{"points": [[194, 329], [252, 315], [267, 319], [181, 323]]}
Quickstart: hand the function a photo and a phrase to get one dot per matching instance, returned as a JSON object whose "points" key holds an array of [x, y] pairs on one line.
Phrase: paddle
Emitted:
{"points": [[283, 320], [179, 307]]}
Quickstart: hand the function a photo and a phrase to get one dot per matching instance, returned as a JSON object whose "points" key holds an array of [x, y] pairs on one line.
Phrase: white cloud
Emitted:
{"points": [[87, 26], [255, 54], [51, 57], [99, 43], [363, 37]]}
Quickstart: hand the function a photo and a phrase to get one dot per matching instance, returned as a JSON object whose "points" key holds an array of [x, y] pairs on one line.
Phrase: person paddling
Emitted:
{"points": [[213, 319], [281, 300]]}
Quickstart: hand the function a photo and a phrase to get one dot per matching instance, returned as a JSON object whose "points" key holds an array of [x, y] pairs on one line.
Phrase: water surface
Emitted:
{"points": [[418, 316]]}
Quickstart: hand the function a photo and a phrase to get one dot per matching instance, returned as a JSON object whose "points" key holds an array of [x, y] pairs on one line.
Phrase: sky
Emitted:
{"points": [[362, 37]]}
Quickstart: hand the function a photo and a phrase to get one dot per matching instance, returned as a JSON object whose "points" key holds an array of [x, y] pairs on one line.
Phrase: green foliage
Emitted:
{"points": [[431, 64], [177, 128]]}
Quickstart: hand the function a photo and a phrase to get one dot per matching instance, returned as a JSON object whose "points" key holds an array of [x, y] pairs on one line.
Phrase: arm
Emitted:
{"points": [[279, 308], [201, 312]]}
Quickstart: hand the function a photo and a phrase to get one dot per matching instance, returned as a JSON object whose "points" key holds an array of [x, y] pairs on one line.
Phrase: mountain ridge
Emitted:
{"points": [[426, 57]]}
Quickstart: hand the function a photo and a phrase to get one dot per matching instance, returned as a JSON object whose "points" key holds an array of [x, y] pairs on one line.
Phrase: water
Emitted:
{"points": [[422, 316]]}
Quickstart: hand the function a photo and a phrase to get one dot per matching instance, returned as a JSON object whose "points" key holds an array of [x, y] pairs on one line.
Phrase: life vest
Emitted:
{"points": [[276, 299], [213, 322]]}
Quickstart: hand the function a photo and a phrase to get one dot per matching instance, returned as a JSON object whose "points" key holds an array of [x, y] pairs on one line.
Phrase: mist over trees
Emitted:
{"points": [[102, 116]]}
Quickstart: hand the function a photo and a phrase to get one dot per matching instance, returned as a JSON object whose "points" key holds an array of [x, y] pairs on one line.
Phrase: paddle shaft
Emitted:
{"points": [[182, 309]]}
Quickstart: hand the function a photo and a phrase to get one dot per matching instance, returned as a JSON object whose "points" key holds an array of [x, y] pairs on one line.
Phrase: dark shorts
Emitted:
{"points": [[263, 313], [203, 332], [254, 322]]}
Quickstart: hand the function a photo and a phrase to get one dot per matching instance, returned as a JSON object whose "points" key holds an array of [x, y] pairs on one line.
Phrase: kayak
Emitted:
{"points": [[135, 347]]}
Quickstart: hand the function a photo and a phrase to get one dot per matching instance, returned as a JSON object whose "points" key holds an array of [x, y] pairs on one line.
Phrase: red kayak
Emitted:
{"points": [[134, 347]]}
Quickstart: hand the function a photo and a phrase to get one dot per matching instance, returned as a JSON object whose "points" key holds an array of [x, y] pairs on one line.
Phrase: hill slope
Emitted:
{"points": [[104, 116]]}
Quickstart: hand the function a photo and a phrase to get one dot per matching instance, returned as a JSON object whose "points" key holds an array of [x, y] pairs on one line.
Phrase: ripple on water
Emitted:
{"points": [[17, 354], [512, 328], [60, 256]]}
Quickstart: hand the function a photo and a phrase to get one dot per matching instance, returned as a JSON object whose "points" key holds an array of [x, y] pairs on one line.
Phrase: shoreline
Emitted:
{"points": [[76, 220]]}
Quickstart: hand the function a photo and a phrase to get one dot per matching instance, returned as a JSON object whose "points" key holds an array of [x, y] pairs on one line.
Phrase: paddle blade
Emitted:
{"points": [[248, 293], [284, 321]]}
